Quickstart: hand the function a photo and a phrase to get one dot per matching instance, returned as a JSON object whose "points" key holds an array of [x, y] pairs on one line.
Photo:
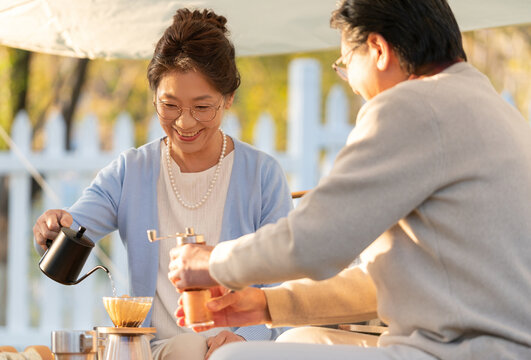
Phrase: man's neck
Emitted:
{"points": [[432, 69]]}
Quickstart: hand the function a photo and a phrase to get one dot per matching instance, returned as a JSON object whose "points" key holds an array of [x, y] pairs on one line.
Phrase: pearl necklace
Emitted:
{"points": [[212, 182]]}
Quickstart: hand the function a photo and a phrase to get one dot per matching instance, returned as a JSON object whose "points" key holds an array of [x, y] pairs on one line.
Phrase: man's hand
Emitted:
{"points": [[189, 267], [220, 339], [241, 308], [49, 224]]}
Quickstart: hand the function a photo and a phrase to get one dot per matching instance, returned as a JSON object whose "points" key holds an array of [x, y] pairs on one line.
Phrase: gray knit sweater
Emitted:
{"points": [[436, 175]]}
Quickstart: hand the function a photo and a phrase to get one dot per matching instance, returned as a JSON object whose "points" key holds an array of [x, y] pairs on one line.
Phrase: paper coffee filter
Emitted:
{"points": [[127, 311]]}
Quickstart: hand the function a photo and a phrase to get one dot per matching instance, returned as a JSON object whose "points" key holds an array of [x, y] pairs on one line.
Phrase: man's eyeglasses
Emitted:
{"points": [[171, 112], [340, 69]]}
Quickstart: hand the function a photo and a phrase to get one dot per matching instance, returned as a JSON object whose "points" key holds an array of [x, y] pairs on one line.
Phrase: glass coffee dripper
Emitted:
{"points": [[127, 340]]}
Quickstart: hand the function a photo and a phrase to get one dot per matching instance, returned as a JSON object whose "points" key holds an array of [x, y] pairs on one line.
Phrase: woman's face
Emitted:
{"points": [[193, 93]]}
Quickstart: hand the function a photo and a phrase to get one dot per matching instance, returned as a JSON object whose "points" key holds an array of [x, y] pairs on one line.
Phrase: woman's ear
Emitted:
{"points": [[228, 101], [380, 49]]}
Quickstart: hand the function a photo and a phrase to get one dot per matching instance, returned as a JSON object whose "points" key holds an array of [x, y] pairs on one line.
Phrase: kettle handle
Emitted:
{"points": [[90, 272], [48, 245]]}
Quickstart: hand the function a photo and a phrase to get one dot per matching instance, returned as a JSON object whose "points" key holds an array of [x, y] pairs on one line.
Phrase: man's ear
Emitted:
{"points": [[380, 50]]}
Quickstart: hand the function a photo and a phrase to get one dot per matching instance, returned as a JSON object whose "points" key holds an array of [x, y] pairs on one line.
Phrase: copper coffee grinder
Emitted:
{"points": [[194, 300]]}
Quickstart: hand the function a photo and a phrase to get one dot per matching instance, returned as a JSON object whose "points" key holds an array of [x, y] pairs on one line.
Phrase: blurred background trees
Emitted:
{"points": [[42, 84], [504, 54]]}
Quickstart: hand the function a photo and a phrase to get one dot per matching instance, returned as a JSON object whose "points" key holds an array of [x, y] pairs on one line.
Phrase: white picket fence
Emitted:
{"points": [[36, 305]]}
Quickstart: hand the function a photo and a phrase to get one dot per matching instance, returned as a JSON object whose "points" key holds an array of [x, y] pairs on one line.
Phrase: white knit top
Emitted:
{"points": [[174, 218]]}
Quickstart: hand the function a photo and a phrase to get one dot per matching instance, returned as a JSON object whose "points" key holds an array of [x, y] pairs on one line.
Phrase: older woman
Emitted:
{"points": [[196, 176]]}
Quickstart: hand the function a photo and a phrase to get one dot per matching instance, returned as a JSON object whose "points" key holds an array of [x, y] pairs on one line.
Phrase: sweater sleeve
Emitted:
{"points": [[276, 195], [97, 208], [391, 164], [347, 297]]}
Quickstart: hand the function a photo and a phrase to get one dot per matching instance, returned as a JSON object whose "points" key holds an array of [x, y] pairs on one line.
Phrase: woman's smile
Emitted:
{"points": [[187, 136]]}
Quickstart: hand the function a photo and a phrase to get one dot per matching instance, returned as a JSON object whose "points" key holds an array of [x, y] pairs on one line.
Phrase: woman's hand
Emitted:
{"points": [[220, 339], [49, 224], [189, 267], [241, 308]]}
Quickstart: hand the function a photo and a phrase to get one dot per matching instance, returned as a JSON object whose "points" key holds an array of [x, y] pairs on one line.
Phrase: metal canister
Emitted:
{"points": [[190, 237], [75, 344], [101, 341]]}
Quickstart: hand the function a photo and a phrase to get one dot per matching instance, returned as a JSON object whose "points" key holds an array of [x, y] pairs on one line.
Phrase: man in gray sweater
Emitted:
{"points": [[433, 189]]}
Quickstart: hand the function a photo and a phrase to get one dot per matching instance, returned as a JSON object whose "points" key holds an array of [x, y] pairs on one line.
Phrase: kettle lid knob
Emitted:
{"points": [[78, 236], [80, 232]]}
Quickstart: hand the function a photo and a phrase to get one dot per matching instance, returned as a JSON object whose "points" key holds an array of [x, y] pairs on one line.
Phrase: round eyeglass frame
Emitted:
{"points": [[341, 70], [190, 109]]}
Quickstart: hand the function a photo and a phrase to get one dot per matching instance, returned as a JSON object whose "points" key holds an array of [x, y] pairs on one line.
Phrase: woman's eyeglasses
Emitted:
{"points": [[171, 112]]}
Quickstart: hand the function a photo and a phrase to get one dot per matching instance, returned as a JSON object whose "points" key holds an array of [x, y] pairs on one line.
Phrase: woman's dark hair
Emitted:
{"points": [[421, 32], [196, 40]]}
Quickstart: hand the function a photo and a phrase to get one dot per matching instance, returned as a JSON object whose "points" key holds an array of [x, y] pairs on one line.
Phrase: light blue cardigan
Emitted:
{"points": [[123, 197]]}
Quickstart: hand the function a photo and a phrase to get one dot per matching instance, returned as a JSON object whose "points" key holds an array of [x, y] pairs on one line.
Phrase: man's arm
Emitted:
{"points": [[349, 296]]}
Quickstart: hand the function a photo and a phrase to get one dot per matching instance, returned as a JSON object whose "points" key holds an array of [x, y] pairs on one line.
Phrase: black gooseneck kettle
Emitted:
{"points": [[66, 255]]}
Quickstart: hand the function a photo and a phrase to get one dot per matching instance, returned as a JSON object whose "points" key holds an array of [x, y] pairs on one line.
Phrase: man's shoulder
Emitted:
{"points": [[449, 85], [400, 99]]}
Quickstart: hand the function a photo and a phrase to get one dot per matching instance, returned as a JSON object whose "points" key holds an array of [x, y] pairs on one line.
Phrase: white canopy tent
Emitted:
{"points": [[130, 28]]}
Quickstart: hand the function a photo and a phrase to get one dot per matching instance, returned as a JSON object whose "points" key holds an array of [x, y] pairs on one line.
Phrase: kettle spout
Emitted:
{"points": [[90, 272]]}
